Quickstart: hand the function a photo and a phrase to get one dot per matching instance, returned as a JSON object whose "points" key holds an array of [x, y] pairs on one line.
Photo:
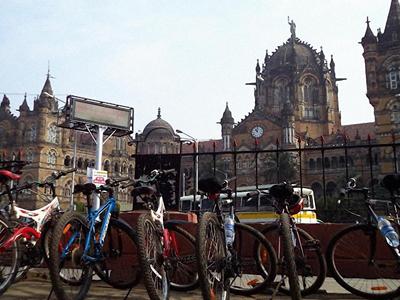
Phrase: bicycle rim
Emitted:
{"points": [[363, 263], [288, 261], [151, 258], [183, 273], [70, 276], [255, 261], [310, 261], [120, 267], [211, 254], [9, 259]]}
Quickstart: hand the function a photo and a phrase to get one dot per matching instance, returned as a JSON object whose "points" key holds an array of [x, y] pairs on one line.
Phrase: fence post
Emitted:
{"points": [[346, 158], [214, 159], [277, 161], [394, 152], [235, 169], [323, 169], [300, 168], [256, 159], [370, 163]]}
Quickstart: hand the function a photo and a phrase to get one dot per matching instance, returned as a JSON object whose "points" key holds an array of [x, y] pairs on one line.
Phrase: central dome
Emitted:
{"points": [[293, 52], [158, 128]]}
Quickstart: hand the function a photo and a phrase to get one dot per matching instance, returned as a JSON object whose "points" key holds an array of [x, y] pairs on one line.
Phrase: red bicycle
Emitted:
{"points": [[24, 234]]}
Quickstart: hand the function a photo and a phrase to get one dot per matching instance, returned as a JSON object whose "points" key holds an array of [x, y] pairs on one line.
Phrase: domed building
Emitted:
{"points": [[295, 95], [158, 137]]}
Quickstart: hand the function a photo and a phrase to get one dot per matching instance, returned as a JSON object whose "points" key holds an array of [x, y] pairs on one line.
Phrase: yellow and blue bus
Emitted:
{"points": [[256, 210]]}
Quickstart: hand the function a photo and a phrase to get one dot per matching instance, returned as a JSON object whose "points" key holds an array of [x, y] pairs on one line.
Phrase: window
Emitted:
{"points": [[394, 111], [312, 164], [130, 170], [107, 165], [29, 156], [30, 134], [52, 158], [393, 78], [52, 135], [67, 161]]}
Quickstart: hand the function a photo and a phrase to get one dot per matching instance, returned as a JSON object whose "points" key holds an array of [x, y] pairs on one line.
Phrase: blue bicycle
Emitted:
{"points": [[99, 245]]}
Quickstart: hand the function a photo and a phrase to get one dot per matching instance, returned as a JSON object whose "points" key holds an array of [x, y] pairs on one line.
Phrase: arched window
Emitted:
{"points": [[311, 164], [342, 162], [281, 93], [67, 161], [79, 163], [394, 110], [31, 134], [52, 134], [107, 165], [116, 167], [319, 163], [393, 77], [29, 156], [68, 189], [130, 170], [52, 157], [86, 163], [124, 167], [334, 162], [327, 163]]}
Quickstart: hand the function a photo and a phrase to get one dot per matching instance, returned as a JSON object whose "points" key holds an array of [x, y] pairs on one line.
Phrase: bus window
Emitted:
{"points": [[207, 204]]}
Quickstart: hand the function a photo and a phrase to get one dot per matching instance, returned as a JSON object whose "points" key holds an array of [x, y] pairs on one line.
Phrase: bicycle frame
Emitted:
{"points": [[93, 216]]}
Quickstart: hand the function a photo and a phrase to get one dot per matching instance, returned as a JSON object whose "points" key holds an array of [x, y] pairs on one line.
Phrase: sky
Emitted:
{"points": [[187, 57]]}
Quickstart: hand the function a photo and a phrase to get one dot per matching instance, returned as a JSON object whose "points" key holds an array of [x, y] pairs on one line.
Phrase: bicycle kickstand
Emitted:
{"points": [[127, 295]]}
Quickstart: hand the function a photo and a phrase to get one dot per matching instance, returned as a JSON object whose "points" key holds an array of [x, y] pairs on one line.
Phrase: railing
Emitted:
{"points": [[323, 167]]}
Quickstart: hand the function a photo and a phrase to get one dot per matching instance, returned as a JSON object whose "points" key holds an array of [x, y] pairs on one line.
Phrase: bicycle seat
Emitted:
{"points": [[86, 189], [210, 185], [391, 182], [6, 175], [282, 191]]}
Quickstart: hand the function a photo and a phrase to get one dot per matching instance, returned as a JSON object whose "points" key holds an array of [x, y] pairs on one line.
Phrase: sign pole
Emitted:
{"points": [[99, 154]]}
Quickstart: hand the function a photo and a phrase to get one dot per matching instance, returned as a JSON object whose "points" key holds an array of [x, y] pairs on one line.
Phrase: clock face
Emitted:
{"points": [[257, 132]]}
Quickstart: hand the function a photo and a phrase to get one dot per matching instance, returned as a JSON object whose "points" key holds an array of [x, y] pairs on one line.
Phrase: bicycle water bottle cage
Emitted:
{"points": [[6, 175], [391, 182], [210, 185]]}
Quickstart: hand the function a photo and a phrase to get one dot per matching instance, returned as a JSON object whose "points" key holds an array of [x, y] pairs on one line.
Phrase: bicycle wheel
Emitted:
{"points": [[211, 258], [120, 267], [361, 261], [9, 258], [183, 274], [151, 258], [289, 261], [70, 277], [255, 261], [310, 261]]}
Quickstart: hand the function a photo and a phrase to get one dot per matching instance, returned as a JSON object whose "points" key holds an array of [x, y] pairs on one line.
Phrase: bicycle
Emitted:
{"points": [[159, 247], [98, 243], [359, 257], [25, 234], [182, 269], [309, 261], [231, 256]]}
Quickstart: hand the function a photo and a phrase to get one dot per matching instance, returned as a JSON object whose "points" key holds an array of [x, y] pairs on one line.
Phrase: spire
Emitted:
{"points": [[5, 104], [266, 57], [392, 28], [24, 106], [47, 89], [227, 116], [258, 67], [369, 37], [159, 113]]}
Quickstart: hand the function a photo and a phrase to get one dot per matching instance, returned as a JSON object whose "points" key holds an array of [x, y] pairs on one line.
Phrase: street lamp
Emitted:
{"points": [[196, 144]]}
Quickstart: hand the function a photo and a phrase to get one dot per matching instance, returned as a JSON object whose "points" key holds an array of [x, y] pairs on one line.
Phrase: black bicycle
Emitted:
{"points": [[365, 258], [231, 256]]}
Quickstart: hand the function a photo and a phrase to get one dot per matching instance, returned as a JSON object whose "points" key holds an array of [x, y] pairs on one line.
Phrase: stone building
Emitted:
{"points": [[34, 136]]}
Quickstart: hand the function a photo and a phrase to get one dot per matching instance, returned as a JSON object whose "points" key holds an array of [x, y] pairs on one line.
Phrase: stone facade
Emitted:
{"points": [[34, 136]]}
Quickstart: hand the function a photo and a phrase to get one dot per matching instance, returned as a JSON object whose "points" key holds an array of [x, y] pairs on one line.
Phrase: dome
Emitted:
{"points": [[297, 52], [158, 127]]}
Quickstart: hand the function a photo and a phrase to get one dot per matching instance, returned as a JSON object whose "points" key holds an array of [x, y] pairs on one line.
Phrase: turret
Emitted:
{"points": [[392, 28], [227, 123]]}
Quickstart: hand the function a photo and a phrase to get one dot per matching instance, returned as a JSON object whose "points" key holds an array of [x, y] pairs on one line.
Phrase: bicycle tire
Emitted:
{"points": [[183, 275], [9, 259], [349, 257], [150, 251], [70, 277], [210, 236], [311, 267], [120, 267], [289, 259], [256, 260]]}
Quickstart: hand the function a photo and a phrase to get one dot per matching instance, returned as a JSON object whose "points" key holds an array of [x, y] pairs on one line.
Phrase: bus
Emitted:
{"points": [[255, 210]]}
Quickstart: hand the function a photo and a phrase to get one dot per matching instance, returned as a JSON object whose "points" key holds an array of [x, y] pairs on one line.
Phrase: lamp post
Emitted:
{"points": [[196, 144]]}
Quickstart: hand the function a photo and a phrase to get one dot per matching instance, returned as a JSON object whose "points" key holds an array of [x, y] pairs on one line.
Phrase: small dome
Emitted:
{"points": [[297, 52], [158, 127]]}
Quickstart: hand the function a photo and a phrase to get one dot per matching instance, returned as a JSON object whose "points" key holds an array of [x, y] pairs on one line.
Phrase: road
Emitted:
{"points": [[37, 287]]}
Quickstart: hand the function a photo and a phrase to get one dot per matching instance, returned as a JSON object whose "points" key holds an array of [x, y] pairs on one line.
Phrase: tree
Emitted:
{"points": [[286, 170]]}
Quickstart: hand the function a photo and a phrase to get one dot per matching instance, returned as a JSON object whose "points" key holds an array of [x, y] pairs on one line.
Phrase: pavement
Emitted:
{"points": [[37, 286]]}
